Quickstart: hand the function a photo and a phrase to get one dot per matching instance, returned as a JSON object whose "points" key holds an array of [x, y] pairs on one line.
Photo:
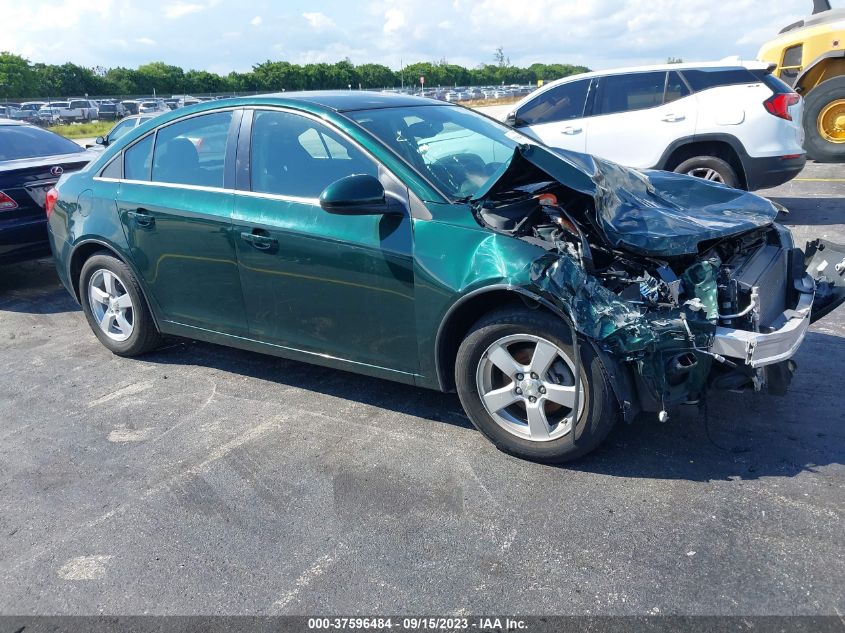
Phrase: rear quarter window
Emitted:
{"points": [[706, 78]]}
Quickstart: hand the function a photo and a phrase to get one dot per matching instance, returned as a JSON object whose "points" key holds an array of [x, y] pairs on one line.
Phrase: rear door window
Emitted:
{"points": [[138, 159], [193, 151], [562, 103], [626, 93]]}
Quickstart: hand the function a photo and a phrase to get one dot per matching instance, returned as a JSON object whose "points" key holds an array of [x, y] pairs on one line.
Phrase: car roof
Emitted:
{"points": [[347, 100], [727, 64]]}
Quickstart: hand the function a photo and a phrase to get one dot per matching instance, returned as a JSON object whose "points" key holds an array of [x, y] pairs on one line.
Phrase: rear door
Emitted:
{"points": [[313, 281], [637, 116], [175, 202], [556, 116]]}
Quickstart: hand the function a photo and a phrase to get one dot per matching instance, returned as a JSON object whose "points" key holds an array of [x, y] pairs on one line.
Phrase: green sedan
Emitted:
{"points": [[422, 242]]}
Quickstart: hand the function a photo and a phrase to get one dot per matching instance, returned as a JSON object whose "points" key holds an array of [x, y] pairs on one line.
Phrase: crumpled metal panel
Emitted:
{"points": [[596, 311], [654, 213]]}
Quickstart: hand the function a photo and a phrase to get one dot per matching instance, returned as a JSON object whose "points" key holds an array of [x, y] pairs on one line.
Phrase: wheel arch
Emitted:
{"points": [[817, 71], [466, 311], [84, 250], [723, 146]]}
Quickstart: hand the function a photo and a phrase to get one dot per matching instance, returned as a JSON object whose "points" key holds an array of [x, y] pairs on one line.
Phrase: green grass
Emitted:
{"points": [[83, 130]]}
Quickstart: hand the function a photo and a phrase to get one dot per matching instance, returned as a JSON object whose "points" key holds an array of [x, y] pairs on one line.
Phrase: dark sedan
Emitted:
{"points": [[31, 161]]}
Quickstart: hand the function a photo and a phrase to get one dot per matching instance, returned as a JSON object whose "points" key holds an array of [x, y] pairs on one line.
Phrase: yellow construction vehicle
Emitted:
{"points": [[810, 57]]}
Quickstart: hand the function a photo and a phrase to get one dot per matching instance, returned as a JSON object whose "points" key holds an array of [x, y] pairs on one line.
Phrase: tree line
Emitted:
{"points": [[19, 78]]}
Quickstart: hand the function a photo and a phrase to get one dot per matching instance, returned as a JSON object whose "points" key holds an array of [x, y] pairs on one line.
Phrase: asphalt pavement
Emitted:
{"points": [[205, 480]]}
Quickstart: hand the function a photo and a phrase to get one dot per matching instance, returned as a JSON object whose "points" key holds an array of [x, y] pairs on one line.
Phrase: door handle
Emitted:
{"points": [[259, 241], [142, 218], [571, 130], [673, 118]]}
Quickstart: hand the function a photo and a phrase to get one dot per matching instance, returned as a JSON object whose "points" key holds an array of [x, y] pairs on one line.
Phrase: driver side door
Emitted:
{"points": [[314, 282]]}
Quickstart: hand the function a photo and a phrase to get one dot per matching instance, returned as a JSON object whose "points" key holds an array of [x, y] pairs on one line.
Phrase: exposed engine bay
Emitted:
{"points": [[679, 319]]}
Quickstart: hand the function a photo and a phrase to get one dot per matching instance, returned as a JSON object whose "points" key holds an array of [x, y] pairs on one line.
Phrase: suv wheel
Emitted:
{"points": [[115, 308], [709, 168], [515, 376]]}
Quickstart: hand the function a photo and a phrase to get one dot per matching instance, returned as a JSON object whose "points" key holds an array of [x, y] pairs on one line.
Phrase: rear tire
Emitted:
{"points": [[480, 383], [709, 168], [824, 107], [115, 306]]}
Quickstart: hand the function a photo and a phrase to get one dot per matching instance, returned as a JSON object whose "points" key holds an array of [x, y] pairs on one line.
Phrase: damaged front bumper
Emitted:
{"points": [[758, 349]]}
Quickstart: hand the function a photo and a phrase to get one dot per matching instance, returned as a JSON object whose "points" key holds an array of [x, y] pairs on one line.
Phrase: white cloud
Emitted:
{"points": [[318, 20], [596, 33], [146, 41], [394, 19], [180, 9]]}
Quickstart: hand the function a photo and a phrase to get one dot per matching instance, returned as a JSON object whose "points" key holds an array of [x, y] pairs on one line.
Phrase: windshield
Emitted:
{"points": [[120, 129], [457, 149], [28, 141]]}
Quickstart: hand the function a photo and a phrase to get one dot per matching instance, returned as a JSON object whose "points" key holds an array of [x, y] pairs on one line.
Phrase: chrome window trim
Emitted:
{"points": [[176, 185], [155, 130]]}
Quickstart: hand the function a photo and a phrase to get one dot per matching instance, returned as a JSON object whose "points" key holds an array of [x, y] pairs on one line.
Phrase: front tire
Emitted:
{"points": [[515, 374], [115, 307], [824, 121], [709, 168]]}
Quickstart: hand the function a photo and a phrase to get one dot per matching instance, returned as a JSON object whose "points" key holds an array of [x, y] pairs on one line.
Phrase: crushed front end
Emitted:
{"points": [[683, 286]]}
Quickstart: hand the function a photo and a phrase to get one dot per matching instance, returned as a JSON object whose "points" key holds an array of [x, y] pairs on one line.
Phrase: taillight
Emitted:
{"points": [[6, 203], [778, 105], [50, 201]]}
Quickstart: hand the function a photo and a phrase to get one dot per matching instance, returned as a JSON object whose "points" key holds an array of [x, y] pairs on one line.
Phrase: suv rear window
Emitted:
{"points": [[778, 86], [704, 78]]}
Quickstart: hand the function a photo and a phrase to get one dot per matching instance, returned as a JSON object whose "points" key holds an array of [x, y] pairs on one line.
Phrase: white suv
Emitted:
{"points": [[735, 124]]}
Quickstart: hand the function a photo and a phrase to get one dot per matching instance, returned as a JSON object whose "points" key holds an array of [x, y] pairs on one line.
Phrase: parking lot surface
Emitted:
{"points": [[205, 480]]}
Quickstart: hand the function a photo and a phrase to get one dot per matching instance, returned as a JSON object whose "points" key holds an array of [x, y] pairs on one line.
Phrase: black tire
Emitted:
{"points": [[145, 337], [819, 148], [721, 167], [599, 413]]}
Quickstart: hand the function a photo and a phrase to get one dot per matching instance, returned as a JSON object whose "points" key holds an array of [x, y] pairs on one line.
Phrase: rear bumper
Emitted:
{"points": [[758, 349], [771, 171]]}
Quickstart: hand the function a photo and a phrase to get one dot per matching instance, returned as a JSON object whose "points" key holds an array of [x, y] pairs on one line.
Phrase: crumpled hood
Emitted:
{"points": [[654, 213]]}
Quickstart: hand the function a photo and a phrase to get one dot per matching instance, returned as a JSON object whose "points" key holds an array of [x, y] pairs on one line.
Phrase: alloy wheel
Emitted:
{"points": [[706, 173], [111, 305], [527, 385]]}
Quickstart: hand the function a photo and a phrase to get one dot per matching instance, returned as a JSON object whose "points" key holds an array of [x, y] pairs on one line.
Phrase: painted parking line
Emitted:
{"points": [[819, 179]]}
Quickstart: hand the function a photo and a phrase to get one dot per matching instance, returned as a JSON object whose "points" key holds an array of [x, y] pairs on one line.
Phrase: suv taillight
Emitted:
{"points": [[50, 201], [778, 104], [6, 203]]}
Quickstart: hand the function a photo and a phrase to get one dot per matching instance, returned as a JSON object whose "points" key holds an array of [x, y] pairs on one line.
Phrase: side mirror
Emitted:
{"points": [[360, 194], [511, 119], [101, 140]]}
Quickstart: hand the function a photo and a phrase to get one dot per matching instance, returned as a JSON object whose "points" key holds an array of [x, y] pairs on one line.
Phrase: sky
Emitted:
{"points": [[226, 35]]}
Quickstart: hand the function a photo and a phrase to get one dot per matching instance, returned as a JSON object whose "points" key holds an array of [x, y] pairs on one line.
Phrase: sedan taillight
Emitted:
{"points": [[778, 104], [50, 201], [6, 203]]}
